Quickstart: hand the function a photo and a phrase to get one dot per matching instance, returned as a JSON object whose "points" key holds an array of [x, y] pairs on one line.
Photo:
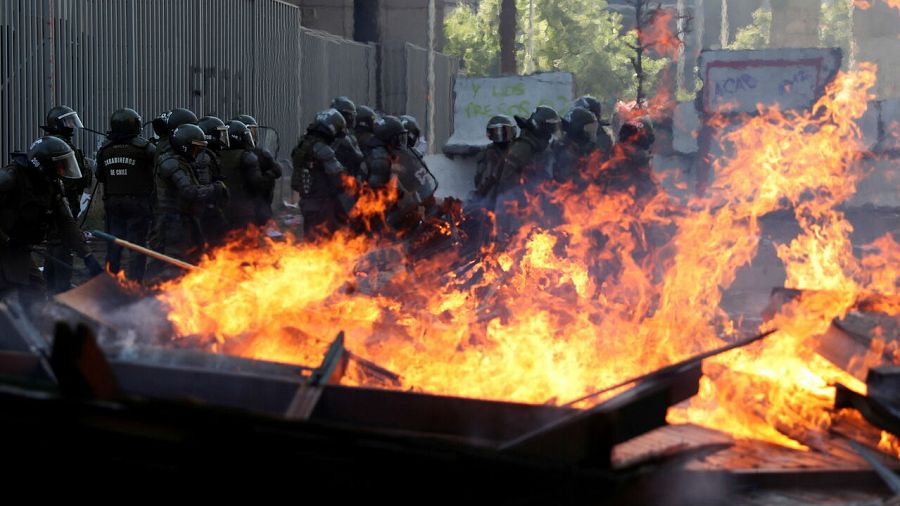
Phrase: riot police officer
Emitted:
{"points": [[572, 155], [61, 123], [414, 139], [632, 170], [365, 127], [391, 155], [529, 157], [270, 167], [180, 199], [247, 184], [32, 203], [501, 130], [347, 148], [208, 169], [125, 168], [604, 141], [321, 180], [528, 164]]}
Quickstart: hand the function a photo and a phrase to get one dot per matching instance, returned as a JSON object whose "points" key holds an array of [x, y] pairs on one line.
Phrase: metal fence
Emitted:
{"points": [[332, 67], [152, 55], [405, 89], [99, 55]]}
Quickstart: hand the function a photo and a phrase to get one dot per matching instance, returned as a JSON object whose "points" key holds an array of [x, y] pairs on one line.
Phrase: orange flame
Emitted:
{"points": [[599, 283]]}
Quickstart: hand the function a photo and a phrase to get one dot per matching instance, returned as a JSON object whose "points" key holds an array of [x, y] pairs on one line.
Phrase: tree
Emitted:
{"points": [[578, 36], [756, 34], [653, 26]]}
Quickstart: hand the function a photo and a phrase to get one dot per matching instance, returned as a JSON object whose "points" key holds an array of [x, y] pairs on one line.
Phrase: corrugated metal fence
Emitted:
{"points": [[218, 57], [405, 88], [333, 66], [99, 55]]}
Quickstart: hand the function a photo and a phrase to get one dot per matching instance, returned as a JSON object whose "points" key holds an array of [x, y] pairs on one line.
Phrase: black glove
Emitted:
{"points": [[93, 266]]}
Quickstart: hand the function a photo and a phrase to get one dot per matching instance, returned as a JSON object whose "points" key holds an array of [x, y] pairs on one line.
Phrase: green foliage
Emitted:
{"points": [[578, 36], [756, 34]]}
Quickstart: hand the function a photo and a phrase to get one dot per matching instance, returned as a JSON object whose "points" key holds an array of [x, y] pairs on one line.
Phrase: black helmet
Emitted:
{"points": [[53, 158], [591, 104], [637, 132], [390, 130], [251, 123], [366, 118], [501, 129], [62, 120], [159, 125], [125, 123], [215, 131], [544, 122], [331, 123], [188, 141], [581, 125], [239, 136], [346, 107], [412, 130], [167, 122]]}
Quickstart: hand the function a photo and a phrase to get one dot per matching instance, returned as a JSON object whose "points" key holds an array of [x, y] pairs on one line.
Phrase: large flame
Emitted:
{"points": [[597, 284]]}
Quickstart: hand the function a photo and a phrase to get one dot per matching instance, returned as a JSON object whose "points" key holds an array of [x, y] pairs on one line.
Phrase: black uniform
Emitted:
{"points": [[570, 161], [248, 186], [125, 168], [632, 172], [488, 167], [180, 200], [213, 224], [415, 182], [271, 171], [30, 208], [348, 152], [59, 278], [318, 177]]}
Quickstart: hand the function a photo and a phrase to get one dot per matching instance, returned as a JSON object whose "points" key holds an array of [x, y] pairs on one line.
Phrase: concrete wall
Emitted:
{"points": [[876, 32], [407, 21], [795, 23], [332, 16]]}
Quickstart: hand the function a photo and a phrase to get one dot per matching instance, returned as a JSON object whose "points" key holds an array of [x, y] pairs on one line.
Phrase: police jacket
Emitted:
{"points": [[317, 172], [178, 191], [347, 151], [31, 205], [207, 167], [267, 164], [528, 159], [125, 167], [246, 183], [571, 159], [488, 165]]}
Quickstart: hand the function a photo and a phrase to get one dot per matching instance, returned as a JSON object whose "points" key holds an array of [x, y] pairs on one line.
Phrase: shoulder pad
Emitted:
{"points": [[249, 157], [140, 142], [169, 166], [323, 152]]}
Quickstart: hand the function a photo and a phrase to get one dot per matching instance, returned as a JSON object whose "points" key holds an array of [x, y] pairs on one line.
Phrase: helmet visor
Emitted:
{"points": [[222, 137], [499, 133], [250, 140], [254, 133], [66, 166], [70, 120]]}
